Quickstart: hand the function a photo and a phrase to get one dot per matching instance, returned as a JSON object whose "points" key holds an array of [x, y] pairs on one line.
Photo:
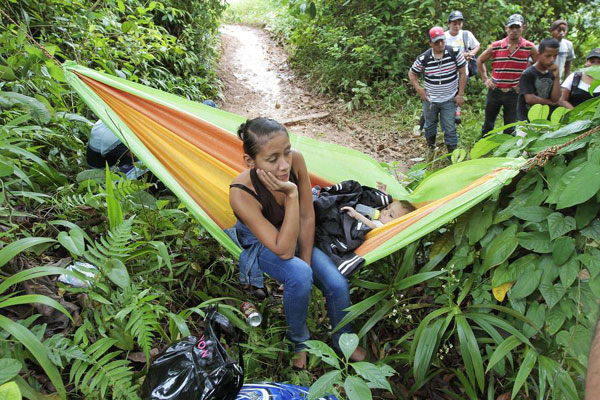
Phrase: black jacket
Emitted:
{"points": [[338, 234]]}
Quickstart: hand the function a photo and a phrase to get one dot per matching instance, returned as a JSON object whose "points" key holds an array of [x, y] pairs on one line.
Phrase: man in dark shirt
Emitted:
{"points": [[540, 83]]}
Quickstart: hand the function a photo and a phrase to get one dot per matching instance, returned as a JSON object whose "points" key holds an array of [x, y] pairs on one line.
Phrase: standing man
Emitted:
{"points": [[463, 39], [566, 54], [444, 78], [510, 57]]}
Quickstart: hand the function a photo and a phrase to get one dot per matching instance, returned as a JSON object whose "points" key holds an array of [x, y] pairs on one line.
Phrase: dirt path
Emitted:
{"points": [[257, 81]]}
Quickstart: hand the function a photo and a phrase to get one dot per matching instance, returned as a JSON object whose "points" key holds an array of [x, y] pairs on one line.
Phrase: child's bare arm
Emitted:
{"points": [[358, 216], [382, 186]]}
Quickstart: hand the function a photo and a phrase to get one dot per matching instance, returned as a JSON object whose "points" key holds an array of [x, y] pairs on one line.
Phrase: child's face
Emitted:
{"points": [[548, 57], [560, 32], [395, 210], [592, 61]]}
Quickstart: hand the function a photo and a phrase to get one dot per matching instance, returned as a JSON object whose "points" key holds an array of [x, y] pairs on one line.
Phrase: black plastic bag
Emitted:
{"points": [[196, 368]]}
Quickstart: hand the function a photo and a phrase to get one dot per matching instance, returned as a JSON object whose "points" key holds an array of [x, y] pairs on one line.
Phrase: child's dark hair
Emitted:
{"points": [[549, 43], [407, 205], [255, 132]]}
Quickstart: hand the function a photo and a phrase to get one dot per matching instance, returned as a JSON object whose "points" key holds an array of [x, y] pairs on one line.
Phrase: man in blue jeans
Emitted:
{"points": [[444, 79]]}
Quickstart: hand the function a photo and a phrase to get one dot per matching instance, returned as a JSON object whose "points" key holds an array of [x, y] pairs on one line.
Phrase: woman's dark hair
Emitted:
{"points": [[255, 132], [549, 43]]}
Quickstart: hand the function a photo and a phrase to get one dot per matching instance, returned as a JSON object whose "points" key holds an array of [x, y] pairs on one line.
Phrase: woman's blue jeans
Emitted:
{"points": [[297, 278]]}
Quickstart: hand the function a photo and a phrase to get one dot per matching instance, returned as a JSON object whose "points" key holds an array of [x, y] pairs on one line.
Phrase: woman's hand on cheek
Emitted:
{"points": [[274, 184]]}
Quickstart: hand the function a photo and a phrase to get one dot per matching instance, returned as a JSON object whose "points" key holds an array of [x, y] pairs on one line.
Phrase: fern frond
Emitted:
{"points": [[59, 348], [126, 187], [101, 372]]}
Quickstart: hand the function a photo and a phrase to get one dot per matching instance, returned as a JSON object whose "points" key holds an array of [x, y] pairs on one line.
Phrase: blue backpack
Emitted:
{"points": [[275, 391]]}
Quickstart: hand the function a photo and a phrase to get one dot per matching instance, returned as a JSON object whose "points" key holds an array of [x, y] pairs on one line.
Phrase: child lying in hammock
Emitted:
{"points": [[378, 218]]}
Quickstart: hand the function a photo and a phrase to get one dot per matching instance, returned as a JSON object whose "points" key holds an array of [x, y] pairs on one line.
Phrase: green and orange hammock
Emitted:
{"points": [[194, 151]]}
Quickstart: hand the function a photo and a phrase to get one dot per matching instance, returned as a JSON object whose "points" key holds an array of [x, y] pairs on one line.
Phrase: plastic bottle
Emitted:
{"points": [[367, 211], [457, 115], [253, 317]]}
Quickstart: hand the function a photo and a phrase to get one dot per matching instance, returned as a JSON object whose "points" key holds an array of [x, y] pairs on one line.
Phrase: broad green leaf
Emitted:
{"points": [[592, 231], [56, 72], [357, 389], [9, 368], [526, 285], [502, 350], [562, 249], [10, 391], [555, 318], [34, 298], [532, 213], [117, 272], [37, 350], [537, 314], [573, 127], [558, 224], [557, 115], [487, 144], [72, 241], [375, 376], [348, 343], [585, 213], [355, 310], [480, 219], [568, 272], [416, 279], [591, 260], [581, 184], [536, 241], [14, 248], [595, 285], [323, 351], [128, 25], [500, 248], [324, 385], [552, 293], [7, 74], [538, 112], [524, 371]]}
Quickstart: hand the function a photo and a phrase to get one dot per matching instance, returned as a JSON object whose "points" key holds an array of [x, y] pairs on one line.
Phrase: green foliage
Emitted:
{"points": [[363, 49], [357, 384]]}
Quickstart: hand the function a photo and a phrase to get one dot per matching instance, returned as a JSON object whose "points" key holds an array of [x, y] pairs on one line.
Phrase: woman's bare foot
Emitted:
{"points": [[359, 354], [299, 360]]}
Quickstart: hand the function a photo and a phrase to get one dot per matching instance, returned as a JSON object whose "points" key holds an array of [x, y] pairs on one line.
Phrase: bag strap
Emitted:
{"points": [[576, 79], [466, 40]]}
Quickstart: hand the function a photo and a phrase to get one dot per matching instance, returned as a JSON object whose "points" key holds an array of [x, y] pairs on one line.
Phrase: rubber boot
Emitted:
{"points": [[450, 148]]}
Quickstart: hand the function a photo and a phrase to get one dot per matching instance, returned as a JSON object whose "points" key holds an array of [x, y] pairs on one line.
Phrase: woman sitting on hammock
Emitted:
{"points": [[272, 201]]}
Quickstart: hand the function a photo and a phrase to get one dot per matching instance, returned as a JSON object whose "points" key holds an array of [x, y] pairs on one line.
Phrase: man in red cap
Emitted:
{"points": [[510, 57], [444, 78]]}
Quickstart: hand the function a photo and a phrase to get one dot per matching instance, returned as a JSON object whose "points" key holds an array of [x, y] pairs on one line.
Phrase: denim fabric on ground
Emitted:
{"points": [[445, 113], [250, 272]]}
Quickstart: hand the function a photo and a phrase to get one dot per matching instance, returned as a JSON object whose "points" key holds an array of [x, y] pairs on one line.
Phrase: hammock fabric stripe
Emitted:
{"points": [[193, 150]]}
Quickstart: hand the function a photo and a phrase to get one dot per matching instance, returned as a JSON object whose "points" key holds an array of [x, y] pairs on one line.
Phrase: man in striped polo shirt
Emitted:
{"points": [[510, 57], [444, 78]]}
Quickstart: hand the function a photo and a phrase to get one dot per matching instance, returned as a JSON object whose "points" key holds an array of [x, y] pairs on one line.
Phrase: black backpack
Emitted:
{"points": [[196, 368]]}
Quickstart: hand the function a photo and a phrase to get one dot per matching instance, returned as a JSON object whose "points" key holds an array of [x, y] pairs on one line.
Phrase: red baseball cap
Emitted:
{"points": [[436, 33]]}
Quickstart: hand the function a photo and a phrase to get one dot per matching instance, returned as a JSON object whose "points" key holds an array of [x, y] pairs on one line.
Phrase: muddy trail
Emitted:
{"points": [[257, 81]]}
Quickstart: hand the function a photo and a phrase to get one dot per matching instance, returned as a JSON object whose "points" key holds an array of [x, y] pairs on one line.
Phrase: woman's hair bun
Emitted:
{"points": [[242, 129]]}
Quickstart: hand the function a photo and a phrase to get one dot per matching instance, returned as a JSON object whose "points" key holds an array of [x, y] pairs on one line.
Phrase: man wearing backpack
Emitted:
{"points": [[444, 79], [510, 57], [464, 40]]}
